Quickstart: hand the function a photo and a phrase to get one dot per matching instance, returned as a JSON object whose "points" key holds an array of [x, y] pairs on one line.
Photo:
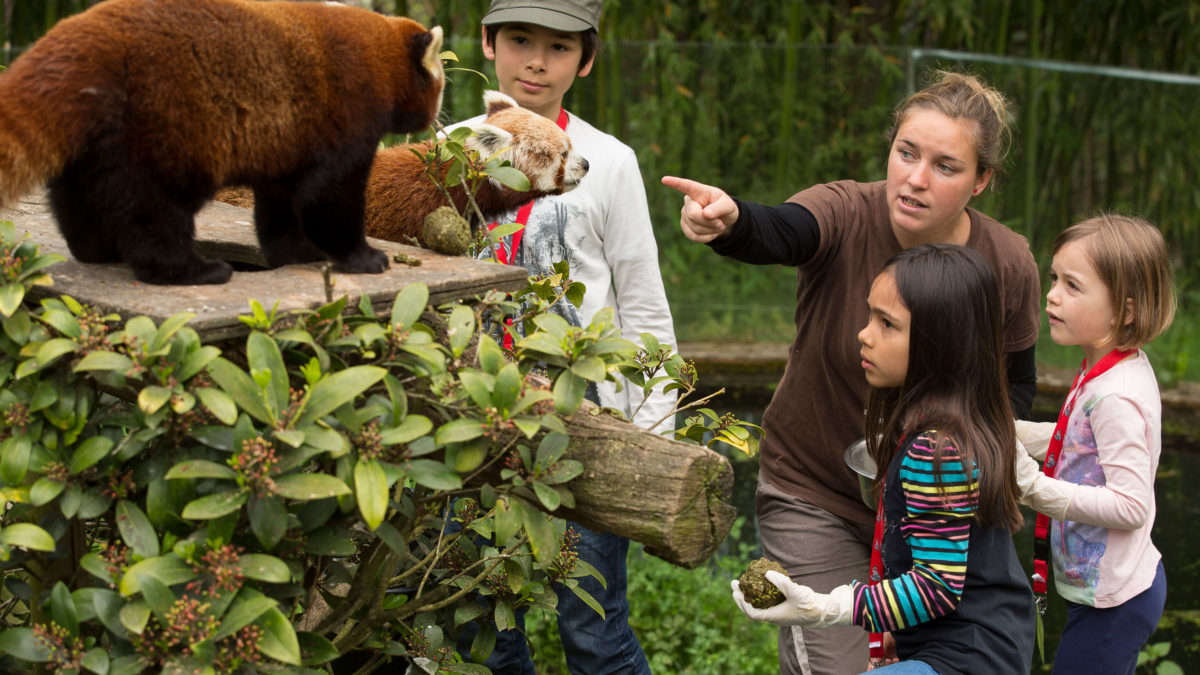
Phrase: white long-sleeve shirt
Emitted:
{"points": [[1102, 550], [602, 228]]}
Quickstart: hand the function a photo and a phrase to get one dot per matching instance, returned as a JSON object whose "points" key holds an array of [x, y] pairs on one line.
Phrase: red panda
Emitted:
{"points": [[400, 195], [135, 112]]}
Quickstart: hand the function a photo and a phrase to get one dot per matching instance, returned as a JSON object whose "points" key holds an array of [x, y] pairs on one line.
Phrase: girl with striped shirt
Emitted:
{"points": [[945, 581]]}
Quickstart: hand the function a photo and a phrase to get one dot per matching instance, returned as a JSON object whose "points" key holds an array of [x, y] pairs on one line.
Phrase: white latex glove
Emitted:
{"points": [[1044, 494], [802, 606], [1035, 436]]}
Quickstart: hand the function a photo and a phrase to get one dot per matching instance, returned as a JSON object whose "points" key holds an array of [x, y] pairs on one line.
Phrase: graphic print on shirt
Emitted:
{"points": [[545, 243], [1078, 548]]}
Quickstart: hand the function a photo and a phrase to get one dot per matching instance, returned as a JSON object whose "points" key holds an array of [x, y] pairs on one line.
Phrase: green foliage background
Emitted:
{"points": [[765, 98]]}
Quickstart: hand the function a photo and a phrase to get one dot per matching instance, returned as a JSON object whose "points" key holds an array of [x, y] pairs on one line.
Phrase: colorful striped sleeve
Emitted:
{"points": [[936, 528]]}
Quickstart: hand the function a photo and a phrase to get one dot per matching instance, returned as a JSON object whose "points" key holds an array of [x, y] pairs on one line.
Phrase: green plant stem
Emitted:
{"points": [[679, 409]]}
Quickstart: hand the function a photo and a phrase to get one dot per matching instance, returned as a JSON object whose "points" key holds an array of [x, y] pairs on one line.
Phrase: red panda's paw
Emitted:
{"points": [[365, 260], [197, 271]]}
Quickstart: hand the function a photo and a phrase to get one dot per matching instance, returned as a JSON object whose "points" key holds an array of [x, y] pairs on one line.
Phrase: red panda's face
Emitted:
{"points": [[534, 145]]}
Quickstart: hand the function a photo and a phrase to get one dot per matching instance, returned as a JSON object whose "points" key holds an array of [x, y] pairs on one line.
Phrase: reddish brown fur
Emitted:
{"points": [[400, 194], [141, 109]]}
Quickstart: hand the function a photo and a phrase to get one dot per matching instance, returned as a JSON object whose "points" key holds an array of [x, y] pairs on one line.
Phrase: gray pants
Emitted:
{"points": [[820, 550]]}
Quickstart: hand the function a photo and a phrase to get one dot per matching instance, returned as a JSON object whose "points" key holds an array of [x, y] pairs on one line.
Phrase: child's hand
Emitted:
{"points": [[707, 211], [802, 606]]}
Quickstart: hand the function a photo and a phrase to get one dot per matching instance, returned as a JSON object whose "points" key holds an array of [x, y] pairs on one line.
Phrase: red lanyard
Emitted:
{"points": [[875, 640], [1041, 529], [523, 214], [508, 256]]}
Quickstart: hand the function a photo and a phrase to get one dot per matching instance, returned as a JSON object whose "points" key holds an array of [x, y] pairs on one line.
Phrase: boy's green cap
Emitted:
{"points": [[570, 16]]}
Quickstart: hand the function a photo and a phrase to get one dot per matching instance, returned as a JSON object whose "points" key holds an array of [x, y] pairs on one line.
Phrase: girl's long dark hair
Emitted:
{"points": [[956, 381]]}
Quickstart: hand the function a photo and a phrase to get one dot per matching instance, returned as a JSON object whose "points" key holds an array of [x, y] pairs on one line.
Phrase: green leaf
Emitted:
{"points": [[264, 567], [218, 403], [168, 328], [21, 643], [197, 361], [89, 452], [412, 428], [62, 609], [111, 361], [170, 569], [337, 390], [491, 357], [17, 327], [479, 387], [44, 491], [590, 368], [239, 385], [14, 458], [508, 521], [216, 505], [510, 177], [158, 597], [569, 389], [316, 648], [434, 475], [547, 495], [200, 468], [278, 639], [11, 297], [459, 431], [551, 448], [409, 304], [27, 535], [263, 355], [507, 388], [542, 343], [460, 328], [136, 529], [134, 616], [268, 519], [588, 599], [542, 537], [52, 349], [306, 486], [107, 605], [245, 608], [95, 660], [371, 491]]}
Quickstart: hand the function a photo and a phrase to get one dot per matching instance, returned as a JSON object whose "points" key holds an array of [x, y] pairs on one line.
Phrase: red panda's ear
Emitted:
{"points": [[488, 140], [432, 58], [495, 101]]}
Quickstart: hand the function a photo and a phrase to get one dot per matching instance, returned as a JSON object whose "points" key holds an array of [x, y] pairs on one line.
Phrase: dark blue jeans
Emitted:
{"points": [[1107, 641], [593, 646]]}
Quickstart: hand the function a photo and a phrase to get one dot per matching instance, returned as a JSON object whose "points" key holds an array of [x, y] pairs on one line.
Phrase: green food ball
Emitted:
{"points": [[446, 232], [759, 592]]}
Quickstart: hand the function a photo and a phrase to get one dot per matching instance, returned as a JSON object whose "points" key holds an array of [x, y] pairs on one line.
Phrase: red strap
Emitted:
{"points": [[1041, 528], [507, 256], [875, 640]]}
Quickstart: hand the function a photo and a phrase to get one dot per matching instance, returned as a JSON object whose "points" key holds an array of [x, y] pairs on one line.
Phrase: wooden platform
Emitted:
{"points": [[225, 231]]}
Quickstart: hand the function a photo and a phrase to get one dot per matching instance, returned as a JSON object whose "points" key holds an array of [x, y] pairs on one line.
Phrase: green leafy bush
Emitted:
{"points": [[270, 505], [685, 619]]}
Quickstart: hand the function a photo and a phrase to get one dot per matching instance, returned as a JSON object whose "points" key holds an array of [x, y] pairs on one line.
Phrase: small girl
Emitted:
{"points": [[1110, 293], [950, 588]]}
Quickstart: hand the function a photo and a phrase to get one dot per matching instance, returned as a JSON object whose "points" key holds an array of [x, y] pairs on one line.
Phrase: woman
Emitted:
{"points": [[947, 142]]}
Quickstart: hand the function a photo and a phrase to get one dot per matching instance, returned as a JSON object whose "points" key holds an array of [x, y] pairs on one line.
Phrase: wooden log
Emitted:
{"points": [[671, 496]]}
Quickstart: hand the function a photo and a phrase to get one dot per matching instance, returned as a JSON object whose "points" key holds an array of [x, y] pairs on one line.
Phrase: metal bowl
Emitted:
{"points": [[859, 460]]}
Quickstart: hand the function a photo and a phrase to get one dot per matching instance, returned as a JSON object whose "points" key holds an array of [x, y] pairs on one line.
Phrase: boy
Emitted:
{"points": [[603, 229]]}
